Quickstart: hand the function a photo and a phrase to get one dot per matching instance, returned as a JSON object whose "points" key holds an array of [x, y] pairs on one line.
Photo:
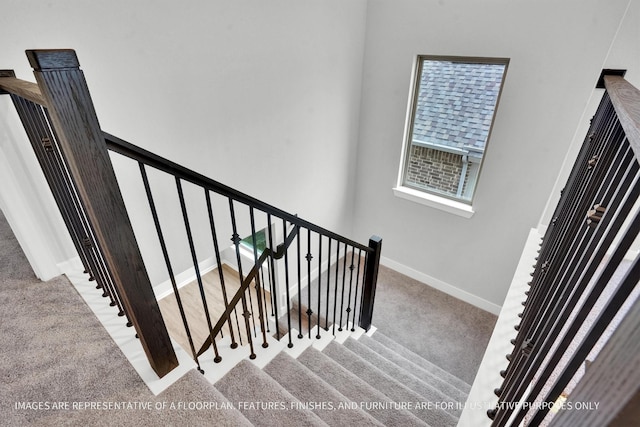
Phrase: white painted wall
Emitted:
{"points": [[21, 191], [557, 50], [623, 54], [263, 96], [281, 84]]}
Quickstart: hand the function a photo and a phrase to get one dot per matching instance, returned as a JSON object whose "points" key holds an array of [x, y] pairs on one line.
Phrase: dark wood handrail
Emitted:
{"points": [[245, 284], [626, 101], [134, 152]]}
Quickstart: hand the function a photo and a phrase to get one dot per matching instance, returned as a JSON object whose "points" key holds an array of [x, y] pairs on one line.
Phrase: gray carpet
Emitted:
{"points": [[323, 398], [357, 390], [54, 350], [420, 367], [391, 387], [426, 390], [440, 328], [267, 403]]}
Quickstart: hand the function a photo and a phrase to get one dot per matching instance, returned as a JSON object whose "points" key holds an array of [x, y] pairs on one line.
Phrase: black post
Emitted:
{"points": [[370, 281]]}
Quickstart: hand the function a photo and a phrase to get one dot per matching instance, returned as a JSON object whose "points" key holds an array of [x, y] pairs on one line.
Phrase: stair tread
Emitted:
{"points": [[392, 388], [429, 392], [379, 340], [302, 383], [192, 388], [373, 401], [262, 400]]}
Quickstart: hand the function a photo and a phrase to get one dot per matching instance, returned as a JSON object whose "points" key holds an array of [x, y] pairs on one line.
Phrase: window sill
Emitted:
{"points": [[431, 200]]}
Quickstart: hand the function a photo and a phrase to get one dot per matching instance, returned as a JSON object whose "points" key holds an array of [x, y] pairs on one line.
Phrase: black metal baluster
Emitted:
{"points": [[335, 291], [568, 223], [286, 280], [351, 268], [165, 254], [265, 344], [570, 219], [595, 332], [196, 267], [309, 257], [264, 296], [299, 282], [253, 318], [344, 277], [100, 273], [355, 299], [603, 244], [235, 238], [326, 310], [319, 282], [271, 287], [216, 249], [567, 283], [619, 169], [36, 126], [274, 286], [566, 269]]}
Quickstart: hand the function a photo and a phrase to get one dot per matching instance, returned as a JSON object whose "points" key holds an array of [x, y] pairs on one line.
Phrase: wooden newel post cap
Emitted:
{"points": [[53, 59]]}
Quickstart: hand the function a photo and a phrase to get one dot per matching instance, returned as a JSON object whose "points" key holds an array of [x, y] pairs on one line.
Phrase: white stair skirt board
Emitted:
{"points": [[341, 336], [299, 344], [481, 397], [325, 338], [230, 358], [358, 332], [265, 355], [124, 337]]}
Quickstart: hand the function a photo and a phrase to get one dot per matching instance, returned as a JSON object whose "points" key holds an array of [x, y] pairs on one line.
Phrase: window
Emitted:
{"points": [[453, 104]]}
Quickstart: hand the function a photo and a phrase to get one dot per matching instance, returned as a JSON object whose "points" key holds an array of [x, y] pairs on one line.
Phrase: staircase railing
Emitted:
{"points": [[593, 228], [73, 152], [334, 278]]}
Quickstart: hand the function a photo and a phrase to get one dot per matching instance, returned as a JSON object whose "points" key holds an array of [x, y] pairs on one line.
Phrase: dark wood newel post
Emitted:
{"points": [[370, 281], [71, 110]]}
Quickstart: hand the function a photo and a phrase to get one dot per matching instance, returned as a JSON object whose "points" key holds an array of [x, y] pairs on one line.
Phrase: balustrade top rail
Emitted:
{"points": [[134, 152], [31, 91], [626, 101], [10, 84]]}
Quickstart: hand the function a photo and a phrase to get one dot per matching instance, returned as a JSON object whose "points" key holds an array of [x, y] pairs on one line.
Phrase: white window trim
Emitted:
{"points": [[428, 199], [455, 207]]}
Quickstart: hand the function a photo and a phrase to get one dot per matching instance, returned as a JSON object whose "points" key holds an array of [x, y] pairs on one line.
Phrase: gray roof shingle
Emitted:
{"points": [[456, 102]]}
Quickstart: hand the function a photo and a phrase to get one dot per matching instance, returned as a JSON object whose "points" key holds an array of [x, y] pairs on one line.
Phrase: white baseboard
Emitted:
{"points": [[71, 264], [165, 288], [441, 286]]}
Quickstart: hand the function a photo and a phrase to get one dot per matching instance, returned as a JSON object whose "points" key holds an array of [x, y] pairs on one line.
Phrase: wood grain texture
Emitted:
{"points": [[626, 101], [52, 59], [23, 88], [80, 137]]}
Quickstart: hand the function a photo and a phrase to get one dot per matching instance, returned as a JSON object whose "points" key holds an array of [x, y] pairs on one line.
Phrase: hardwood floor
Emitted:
{"points": [[190, 296]]}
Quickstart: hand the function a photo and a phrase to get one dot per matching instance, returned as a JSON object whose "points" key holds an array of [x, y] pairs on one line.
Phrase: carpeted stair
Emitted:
{"points": [[354, 380], [365, 381]]}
